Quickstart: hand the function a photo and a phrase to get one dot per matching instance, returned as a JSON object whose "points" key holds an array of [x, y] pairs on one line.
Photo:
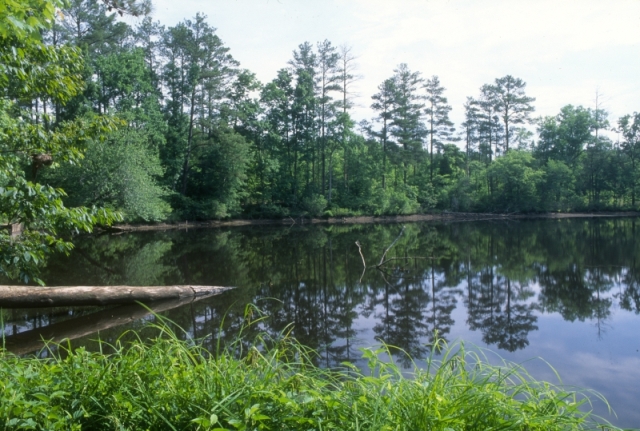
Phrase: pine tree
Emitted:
{"points": [[346, 72], [384, 105], [197, 75], [406, 123], [328, 78], [511, 103], [470, 126], [304, 110], [437, 112]]}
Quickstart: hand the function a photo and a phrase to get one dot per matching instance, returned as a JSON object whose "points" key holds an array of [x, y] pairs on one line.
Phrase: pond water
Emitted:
{"points": [[565, 290]]}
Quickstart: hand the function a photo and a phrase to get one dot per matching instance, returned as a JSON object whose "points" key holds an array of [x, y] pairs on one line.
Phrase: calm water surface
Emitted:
{"points": [[565, 290]]}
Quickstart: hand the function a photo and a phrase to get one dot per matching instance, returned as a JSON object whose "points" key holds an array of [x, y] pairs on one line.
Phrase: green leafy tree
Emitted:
{"points": [[629, 126], [123, 172], [596, 173], [564, 136], [557, 188], [515, 181], [32, 71]]}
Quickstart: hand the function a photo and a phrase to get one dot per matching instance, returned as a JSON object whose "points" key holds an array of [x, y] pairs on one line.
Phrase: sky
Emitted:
{"points": [[566, 51]]}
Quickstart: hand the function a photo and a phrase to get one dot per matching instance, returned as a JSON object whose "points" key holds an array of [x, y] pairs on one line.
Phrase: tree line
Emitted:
{"points": [[156, 123], [203, 138]]}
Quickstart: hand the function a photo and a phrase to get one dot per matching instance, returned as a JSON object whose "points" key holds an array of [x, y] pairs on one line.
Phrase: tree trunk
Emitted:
{"points": [[431, 142], [71, 296], [185, 168], [330, 175]]}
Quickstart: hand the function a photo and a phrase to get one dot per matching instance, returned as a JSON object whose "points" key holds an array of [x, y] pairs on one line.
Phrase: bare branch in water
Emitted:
{"points": [[389, 248], [364, 264], [361, 255]]}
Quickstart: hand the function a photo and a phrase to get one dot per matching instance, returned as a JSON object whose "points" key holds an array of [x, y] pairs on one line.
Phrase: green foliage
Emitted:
{"points": [[514, 180], [564, 136], [31, 71], [315, 205], [629, 125], [557, 187], [271, 383], [460, 196], [121, 173], [402, 200], [206, 140], [25, 19]]}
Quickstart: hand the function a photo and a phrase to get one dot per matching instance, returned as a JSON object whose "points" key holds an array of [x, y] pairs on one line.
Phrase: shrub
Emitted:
{"points": [[314, 205]]}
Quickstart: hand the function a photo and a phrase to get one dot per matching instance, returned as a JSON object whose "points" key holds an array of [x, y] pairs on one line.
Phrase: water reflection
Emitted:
{"points": [[310, 281], [538, 287]]}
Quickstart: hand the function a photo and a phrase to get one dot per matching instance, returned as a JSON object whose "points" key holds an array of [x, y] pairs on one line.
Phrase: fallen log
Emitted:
{"points": [[35, 339], [71, 296]]}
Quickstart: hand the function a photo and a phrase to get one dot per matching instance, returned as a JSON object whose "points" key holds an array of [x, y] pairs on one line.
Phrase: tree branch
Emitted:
{"points": [[389, 248]]}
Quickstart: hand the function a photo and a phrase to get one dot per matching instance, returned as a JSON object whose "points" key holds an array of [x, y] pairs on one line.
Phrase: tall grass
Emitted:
{"points": [[272, 384]]}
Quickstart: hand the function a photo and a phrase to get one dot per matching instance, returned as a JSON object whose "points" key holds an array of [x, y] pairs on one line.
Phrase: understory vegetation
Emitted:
{"points": [[272, 384]]}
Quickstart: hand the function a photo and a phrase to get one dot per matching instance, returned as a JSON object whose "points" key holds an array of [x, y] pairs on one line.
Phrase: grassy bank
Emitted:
{"points": [[169, 384]]}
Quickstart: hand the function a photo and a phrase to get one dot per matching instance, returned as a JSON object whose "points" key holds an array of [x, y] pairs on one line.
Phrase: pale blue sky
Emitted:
{"points": [[565, 50]]}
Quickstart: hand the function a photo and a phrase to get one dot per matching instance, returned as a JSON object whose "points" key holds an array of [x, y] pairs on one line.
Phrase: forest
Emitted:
{"points": [[199, 138], [102, 121]]}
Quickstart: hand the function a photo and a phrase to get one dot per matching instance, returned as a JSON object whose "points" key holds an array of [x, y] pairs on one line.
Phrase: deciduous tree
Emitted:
{"points": [[30, 70]]}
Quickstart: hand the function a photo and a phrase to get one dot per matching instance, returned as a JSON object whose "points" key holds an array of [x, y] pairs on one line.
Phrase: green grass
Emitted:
{"points": [[169, 384]]}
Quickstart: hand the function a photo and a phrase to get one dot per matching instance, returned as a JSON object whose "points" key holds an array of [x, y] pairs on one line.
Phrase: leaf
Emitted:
{"points": [[42, 397]]}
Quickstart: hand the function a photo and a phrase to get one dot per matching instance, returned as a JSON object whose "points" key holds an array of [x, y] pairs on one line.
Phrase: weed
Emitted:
{"points": [[272, 384]]}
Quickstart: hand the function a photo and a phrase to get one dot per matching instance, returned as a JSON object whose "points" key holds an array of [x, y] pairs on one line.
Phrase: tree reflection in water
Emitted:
{"points": [[309, 282]]}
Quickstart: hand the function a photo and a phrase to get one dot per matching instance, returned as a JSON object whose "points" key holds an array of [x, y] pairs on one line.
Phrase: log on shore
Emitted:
{"points": [[71, 296], [35, 339]]}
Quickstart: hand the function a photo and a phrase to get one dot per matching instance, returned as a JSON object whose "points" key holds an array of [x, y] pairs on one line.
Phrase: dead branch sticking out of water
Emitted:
{"points": [[364, 264], [384, 255], [361, 255], [382, 261]]}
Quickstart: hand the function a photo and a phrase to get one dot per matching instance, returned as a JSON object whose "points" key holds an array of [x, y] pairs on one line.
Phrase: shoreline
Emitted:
{"points": [[289, 221]]}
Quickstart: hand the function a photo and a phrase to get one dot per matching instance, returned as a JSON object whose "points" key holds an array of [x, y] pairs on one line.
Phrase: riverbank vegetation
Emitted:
{"points": [[272, 383]]}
